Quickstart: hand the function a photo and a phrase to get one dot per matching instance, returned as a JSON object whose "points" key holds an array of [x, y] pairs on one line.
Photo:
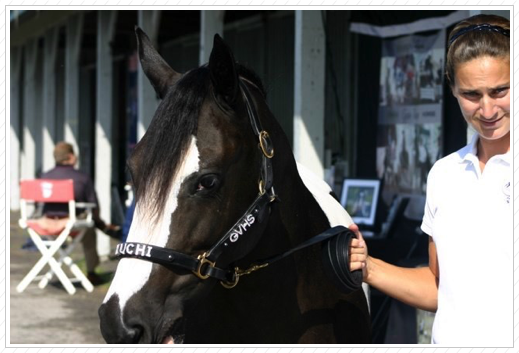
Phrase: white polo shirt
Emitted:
{"points": [[469, 216]]}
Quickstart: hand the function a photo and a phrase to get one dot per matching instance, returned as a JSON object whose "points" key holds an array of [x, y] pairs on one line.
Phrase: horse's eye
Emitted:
{"points": [[207, 182]]}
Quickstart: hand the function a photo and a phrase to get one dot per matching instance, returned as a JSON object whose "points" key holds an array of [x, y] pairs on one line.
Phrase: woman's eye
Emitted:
{"points": [[207, 182], [471, 95], [500, 92]]}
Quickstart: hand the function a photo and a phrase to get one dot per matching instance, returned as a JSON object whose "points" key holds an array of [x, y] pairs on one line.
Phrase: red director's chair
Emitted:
{"points": [[50, 236]]}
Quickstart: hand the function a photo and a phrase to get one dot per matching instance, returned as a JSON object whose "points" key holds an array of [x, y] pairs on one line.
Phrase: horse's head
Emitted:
{"points": [[196, 172]]}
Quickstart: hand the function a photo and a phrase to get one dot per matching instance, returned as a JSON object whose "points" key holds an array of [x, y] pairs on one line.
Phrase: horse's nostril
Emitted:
{"points": [[127, 336], [135, 334], [120, 334]]}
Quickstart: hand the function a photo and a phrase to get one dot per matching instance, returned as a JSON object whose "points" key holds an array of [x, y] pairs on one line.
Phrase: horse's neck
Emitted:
{"points": [[294, 218], [306, 200], [297, 216], [305, 207], [307, 203], [292, 295]]}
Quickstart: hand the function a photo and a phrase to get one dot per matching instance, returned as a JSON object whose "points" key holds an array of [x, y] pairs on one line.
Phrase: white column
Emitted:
{"points": [[72, 51], [147, 101], [103, 156], [309, 90], [28, 164], [49, 97], [14, 143], [211, 22]]}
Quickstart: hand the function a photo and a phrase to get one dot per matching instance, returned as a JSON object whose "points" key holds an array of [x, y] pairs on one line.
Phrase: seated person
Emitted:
{"points": [[83, 192]]}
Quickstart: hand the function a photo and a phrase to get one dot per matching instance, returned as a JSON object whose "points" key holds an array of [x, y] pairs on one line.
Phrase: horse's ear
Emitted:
{"points": [[222, 68], [160, 74]]}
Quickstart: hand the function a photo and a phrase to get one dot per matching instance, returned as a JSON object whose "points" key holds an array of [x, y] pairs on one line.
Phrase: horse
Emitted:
{"points": [[213, 198]]}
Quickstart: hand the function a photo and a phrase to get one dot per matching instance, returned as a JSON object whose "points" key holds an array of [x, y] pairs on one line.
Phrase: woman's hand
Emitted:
{"points": [[358, 252]]}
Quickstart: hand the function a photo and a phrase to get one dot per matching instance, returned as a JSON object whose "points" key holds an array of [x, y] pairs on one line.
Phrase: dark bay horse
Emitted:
{"points": [[209, 184]]}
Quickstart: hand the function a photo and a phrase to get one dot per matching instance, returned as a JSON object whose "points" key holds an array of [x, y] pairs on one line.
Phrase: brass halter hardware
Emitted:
{"points": [[264, 140], [203, 261], [239, 272], [261, 187]]}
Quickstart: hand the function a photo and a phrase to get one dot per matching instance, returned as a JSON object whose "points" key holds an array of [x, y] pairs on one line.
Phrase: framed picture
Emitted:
{"points": [[360, 197]]}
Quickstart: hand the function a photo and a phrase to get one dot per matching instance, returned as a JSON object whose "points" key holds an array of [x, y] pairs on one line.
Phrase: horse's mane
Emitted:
{"points": [[163, 147]]}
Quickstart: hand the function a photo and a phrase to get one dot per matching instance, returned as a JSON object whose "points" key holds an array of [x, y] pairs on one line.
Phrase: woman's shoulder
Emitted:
{"points": [[446, 162], [466, 153], [452, 161]]}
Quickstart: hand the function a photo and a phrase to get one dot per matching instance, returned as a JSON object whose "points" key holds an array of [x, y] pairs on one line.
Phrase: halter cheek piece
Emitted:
{"points": [[336, 240]]}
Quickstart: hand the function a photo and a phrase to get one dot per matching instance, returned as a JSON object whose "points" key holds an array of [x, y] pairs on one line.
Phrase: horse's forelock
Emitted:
{"points": [[158, 157]]}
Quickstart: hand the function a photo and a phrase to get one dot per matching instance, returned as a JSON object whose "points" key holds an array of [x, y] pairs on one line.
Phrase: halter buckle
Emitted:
{"points": [[261, 187], [202, 261], [232, 284], [266, 144]]}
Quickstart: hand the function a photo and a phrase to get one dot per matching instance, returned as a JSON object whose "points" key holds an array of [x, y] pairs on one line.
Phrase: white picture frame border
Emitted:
{"points": [[348, 184]]}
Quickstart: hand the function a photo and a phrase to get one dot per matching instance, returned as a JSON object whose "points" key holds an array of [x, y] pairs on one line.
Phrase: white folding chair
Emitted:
{"points": [[50, 236]]}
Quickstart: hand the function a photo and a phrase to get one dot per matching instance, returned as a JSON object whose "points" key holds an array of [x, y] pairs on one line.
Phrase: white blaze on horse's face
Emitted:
{"points": [[132, 274]]}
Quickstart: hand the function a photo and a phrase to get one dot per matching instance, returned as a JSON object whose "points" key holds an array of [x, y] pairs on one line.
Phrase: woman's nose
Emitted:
{"points": [[487, 107]]}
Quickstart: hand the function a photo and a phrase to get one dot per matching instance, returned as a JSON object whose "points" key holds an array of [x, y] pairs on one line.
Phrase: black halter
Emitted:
{"points": [[204, 266]]}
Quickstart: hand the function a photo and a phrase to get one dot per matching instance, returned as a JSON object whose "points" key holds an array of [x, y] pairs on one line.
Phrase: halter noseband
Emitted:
{"points": [[204, 265]]}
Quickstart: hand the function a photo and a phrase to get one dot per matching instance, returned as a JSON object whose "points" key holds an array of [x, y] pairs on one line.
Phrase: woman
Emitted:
{"points": [[468, 215]]}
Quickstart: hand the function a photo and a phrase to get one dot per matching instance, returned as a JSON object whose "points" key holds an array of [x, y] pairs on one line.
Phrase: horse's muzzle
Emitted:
{"points": [[113, 328]]}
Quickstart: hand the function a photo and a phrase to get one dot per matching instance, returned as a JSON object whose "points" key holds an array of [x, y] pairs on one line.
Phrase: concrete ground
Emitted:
{"points": [[51, 315]]}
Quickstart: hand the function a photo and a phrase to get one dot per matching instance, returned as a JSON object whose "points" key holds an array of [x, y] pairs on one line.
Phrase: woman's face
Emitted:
{"points": [[482, 87]]}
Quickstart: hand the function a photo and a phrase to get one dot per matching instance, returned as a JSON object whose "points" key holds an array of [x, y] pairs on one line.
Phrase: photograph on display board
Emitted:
{"points": [[359, 197], [410, 111]]}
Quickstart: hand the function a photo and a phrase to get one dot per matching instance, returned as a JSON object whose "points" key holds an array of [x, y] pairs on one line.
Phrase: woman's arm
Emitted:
{"points": [[417, 287]]}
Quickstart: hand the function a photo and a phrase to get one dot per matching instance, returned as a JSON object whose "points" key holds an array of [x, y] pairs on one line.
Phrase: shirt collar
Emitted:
{"points": [[469, 153]]}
